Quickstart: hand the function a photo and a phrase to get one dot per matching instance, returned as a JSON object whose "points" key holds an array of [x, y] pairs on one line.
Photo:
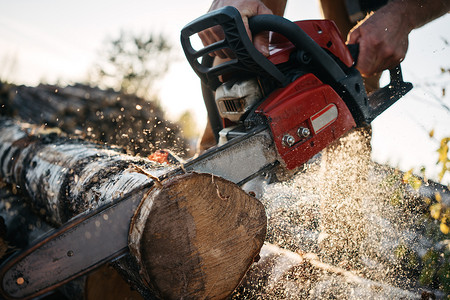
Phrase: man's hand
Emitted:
{"points": [[247, 8], [383, 36]]}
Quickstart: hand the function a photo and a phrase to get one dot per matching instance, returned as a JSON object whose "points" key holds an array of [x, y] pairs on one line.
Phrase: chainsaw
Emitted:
{"points": [[306, 94], [267, 113]]}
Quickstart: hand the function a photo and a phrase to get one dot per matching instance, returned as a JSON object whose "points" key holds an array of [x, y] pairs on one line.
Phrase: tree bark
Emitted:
{"points": [[66, 177], [193, 236], [19, 225]]}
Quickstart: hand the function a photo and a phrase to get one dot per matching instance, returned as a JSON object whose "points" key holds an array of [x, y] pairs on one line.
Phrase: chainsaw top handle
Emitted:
{"points": [[245, 57]]}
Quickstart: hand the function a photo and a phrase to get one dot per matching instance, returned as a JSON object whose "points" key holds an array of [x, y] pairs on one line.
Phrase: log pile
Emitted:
{"points": [[186, 231], [102, 116]]}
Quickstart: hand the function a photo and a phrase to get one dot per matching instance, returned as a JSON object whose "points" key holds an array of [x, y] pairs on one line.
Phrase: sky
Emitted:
{"points": [[51, 40]]}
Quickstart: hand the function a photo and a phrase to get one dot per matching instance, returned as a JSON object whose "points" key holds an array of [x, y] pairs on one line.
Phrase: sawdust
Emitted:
{"points": [[340, 210]]}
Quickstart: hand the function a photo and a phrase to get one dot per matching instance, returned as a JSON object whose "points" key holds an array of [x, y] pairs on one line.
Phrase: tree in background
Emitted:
{"points": [[132, 64]]}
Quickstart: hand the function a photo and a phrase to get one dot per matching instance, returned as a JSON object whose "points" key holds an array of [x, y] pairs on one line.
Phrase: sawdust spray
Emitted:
{"points": [[339, 210]]}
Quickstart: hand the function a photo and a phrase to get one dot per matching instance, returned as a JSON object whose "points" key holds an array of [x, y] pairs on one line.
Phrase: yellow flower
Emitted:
{"points": [[444, 227], [435, 210]]}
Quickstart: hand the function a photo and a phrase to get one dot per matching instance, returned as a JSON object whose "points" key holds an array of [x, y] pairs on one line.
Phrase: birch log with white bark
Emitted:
{"points": [[206, 229], [66, 177], [20, 226]]}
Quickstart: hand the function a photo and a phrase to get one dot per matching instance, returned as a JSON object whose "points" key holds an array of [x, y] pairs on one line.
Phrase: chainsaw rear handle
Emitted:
{"points": [[396, 75]]}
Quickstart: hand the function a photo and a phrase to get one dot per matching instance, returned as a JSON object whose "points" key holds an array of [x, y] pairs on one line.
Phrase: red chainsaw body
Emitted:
{"points": [[324, 32], [305, 103]]}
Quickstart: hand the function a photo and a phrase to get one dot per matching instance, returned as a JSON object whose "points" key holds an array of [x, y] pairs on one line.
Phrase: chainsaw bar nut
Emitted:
{"points": [[303, 132], [288, 140]]}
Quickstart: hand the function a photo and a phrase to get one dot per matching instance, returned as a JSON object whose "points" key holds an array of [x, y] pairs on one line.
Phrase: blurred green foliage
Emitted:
{"points": [[132, 64]]}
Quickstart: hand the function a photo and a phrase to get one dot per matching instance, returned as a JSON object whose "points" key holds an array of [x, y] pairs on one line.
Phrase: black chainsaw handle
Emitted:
{"points": [[246, 58], [395, 73], [381, 99]]}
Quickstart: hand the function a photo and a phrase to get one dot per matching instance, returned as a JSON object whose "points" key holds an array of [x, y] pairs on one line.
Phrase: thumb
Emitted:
{"points": [[261, 42]]}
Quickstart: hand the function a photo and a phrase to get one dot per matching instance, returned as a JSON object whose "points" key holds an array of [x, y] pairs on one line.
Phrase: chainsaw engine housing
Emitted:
{"points": [[235, 98]]}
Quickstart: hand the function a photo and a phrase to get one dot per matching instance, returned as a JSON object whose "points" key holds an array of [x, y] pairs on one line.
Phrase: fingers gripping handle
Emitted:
{"points": [[244, 56]]}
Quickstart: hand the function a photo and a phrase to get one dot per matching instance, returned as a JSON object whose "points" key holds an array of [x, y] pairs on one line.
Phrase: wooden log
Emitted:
{"points": [[207, 229], [213, 238], [107, 283], [216, 231], [66, 177], [19, 225]]}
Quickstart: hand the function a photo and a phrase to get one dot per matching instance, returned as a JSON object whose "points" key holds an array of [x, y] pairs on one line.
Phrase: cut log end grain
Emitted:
{"points": [[196, 236]]}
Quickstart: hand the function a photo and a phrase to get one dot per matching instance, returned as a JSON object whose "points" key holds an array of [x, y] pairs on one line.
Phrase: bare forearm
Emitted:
{"points": [[419, 12], [383, 35], [276, 6]]}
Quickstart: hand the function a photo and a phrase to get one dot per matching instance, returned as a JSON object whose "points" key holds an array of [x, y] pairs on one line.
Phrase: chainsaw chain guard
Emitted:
{"points": [[366, 109], [383, 98]]}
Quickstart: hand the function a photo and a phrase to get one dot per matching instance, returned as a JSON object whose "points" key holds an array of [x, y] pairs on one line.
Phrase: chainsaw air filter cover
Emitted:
{"points": [[235, 98]]}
